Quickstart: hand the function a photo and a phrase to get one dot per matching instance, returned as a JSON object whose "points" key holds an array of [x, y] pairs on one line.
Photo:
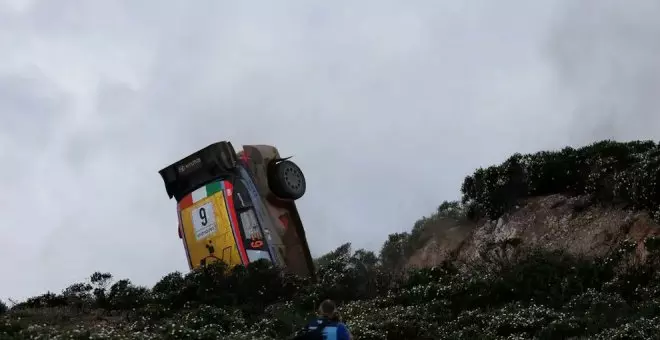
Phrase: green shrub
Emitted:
{"points": [[608, 171], [539, 294]]}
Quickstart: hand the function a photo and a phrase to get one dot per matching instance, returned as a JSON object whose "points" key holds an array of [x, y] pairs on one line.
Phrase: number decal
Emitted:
{"points": [[203, 219], [202, 216]]}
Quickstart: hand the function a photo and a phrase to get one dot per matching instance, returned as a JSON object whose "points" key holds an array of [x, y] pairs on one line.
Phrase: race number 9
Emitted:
{"points": [[202, 216], [203, 220]]}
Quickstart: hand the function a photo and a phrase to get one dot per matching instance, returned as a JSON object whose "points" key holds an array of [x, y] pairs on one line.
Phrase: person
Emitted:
{"points": [[327, 325]]}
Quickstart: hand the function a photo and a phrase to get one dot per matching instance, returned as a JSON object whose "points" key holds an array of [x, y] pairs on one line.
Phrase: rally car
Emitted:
{"points": [[239, 207]]}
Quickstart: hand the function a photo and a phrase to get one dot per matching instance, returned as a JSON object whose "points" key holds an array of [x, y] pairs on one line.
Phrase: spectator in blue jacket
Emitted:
{"points": [[330, 320]]}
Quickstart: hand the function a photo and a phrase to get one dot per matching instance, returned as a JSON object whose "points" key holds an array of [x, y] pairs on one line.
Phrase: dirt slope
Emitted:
{"points": [[550, 222]]}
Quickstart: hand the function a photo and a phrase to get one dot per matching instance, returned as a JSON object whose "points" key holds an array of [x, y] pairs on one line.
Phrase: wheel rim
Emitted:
{"points": [[293, 178]]}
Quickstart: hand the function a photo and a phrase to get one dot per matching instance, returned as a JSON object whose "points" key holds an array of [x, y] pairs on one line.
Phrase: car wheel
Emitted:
{"points": [[286, 180]]}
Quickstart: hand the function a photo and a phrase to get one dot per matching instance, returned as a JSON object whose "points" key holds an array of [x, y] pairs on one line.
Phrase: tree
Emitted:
{"points": [[342, 252], [78, 295], [451, 209], [100, 282], [395, 251]]}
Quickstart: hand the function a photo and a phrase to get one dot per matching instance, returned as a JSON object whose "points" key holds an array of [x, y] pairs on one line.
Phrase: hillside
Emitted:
{"points": [[560, 244], [553, 222]]}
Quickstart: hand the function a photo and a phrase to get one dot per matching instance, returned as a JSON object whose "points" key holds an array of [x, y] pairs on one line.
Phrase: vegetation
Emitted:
{"points": [[609, 172], [530, 294], [536, 294]]}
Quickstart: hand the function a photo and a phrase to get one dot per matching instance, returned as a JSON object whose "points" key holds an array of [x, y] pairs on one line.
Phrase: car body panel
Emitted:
{"points": [[286, 217], [218, 239]]}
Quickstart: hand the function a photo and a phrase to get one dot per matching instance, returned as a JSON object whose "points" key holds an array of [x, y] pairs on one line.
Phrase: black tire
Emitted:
{"points": [[286, 180]]}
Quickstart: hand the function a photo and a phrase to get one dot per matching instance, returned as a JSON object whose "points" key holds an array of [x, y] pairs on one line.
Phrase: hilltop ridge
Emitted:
{"points": [[582, 200], [556, 244]]}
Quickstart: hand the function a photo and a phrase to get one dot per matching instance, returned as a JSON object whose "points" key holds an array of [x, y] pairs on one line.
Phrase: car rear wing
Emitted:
{"points": [[212, 162]]}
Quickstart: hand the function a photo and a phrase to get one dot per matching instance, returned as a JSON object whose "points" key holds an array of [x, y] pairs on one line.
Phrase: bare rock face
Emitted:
{"points": [[442, 245], [554, 222]]}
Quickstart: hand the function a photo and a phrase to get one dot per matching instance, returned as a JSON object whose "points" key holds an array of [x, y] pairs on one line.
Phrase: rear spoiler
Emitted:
{"points": [[212, 162]]}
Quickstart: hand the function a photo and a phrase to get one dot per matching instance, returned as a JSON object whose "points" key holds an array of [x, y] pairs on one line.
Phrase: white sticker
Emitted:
{"points": [[203, 219], [250, 225], [254, 255]]}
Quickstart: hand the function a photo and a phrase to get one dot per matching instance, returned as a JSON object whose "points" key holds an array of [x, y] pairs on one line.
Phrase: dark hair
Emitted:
{"points": [[328, 309]]}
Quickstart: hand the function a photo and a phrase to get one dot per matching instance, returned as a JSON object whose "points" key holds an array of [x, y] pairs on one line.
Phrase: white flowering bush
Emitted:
{"points": [[538, 295]]}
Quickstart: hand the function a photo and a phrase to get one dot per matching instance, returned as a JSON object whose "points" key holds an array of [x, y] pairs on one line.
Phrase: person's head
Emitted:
{"points": [[328, 309]]}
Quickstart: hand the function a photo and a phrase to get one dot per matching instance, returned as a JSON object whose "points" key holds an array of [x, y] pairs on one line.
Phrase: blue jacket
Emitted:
{"points": [[332, 331]]}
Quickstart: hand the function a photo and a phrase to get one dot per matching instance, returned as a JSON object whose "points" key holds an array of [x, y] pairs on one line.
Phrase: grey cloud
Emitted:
{"points": [[29, 107], [605, 55], [28, 102]]}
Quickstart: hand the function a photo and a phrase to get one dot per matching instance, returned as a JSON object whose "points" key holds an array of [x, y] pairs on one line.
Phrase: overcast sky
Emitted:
{"points": [[385, 105]]}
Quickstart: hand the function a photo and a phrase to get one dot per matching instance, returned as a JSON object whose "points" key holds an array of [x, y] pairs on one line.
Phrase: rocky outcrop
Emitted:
{"points": [[554, 222], [444, 239]]}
